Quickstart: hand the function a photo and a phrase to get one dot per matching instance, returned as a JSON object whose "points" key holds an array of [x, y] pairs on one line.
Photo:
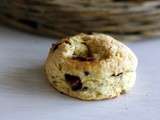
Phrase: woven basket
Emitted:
{"points": [[127, 19]]}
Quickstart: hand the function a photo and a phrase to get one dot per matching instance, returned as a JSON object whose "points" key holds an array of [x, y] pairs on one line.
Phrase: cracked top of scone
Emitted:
{"points": [[92, 66], [96, 52]]}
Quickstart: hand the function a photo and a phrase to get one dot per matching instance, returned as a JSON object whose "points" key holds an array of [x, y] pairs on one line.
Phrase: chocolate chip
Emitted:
{"points": [[67, 42], [86, 73], [52, 77], [73, 81], [114, 75], [55, 46], [84, 88], [123, 92], [81, 58]]}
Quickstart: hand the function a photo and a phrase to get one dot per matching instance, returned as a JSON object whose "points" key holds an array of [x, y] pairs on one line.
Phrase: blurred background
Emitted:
{"points": [[123, 19]]}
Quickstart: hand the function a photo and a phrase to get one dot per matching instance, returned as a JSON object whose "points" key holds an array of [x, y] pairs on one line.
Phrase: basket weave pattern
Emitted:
{"points": [[122, 18]]}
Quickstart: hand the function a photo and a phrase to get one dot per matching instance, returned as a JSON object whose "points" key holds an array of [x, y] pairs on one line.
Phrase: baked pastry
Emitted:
{"points": [[91, 67]]}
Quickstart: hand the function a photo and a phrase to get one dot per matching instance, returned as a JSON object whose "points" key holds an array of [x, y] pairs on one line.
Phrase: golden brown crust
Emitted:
{"points": [[79, 98], [110, 67]]}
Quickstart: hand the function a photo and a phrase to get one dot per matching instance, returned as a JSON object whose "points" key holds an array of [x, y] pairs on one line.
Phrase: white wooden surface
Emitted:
{"points": [[26, 95]]}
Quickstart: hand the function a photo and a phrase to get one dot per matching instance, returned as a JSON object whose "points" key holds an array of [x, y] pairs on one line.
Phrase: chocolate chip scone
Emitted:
{"points": [[91, 67]]}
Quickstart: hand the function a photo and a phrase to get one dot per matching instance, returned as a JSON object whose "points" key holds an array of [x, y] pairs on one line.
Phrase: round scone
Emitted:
{"points": [[91, 67]]}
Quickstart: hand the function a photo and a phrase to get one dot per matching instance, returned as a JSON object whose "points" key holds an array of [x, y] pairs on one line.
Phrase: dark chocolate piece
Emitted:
{"points": [[86, 73], [123, 92], [117, 74], [67, 42], [81, 58], [84, 88], [73, 81]]}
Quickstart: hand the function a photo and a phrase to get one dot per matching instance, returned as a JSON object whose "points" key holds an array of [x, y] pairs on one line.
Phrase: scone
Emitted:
{"points": [[91, 67]]}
